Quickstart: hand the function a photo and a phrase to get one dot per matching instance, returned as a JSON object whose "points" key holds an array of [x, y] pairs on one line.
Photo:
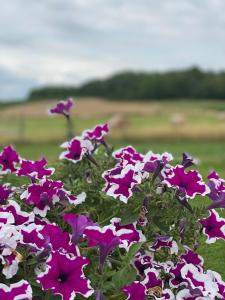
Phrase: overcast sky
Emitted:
{"points": [[69, 41]]}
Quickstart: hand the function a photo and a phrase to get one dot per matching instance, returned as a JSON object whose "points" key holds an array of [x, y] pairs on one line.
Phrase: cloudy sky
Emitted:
{"points": [[70, 41]]}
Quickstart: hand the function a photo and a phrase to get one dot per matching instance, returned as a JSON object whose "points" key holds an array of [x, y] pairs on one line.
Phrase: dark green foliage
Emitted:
{"points": [[191, 83]]}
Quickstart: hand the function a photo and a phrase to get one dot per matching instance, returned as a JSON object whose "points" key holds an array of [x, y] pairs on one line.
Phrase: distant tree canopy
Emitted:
{"points": [[190, 83]]}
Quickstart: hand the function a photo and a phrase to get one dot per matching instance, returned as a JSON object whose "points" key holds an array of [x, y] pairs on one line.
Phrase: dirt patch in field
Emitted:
{"points": [[84, 107]]}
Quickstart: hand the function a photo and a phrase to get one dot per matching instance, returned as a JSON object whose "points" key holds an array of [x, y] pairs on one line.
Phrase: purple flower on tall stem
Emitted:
{"points": [[78, 224], [16, 291], [35, 169], [5, 192], [9, 160], [213, 227], [76, 149], [64, 276], [187, 183], [62, 107]]}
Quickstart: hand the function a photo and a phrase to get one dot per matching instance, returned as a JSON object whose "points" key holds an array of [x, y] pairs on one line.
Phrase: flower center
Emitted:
{"points": [[62, 277]]}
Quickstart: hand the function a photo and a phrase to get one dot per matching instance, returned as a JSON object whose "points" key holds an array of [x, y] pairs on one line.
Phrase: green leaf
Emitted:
{"points": [[124, 276], [133, 250], [129, 217]]}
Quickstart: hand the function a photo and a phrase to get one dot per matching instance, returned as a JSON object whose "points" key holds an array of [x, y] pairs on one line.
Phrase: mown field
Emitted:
{"points": [[195, 127]]}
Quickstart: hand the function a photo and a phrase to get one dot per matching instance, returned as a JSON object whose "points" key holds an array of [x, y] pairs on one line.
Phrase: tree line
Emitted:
{"points": [[191, 83]]}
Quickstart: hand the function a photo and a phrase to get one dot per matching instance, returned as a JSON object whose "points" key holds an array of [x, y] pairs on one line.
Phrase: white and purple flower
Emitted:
{"points": [[120, 182], [187, 183], [16, 291], [213, 227], [97, 133], [64, 276], [76, 149], [35, 169]]}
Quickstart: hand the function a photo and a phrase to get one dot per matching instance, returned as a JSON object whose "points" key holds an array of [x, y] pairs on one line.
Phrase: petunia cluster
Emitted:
{"points": [[107, 224]]}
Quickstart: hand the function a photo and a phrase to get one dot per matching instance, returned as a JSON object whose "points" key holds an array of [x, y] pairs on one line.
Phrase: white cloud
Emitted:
{"points": [[67, 42]]}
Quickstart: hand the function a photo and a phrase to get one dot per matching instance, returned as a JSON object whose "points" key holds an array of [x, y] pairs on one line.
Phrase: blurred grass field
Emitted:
{"points": [[175, 126]]}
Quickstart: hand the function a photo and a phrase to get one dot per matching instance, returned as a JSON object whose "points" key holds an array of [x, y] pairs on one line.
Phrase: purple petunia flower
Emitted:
{"points": [[213, 227], [64, 276], [135, 291], [120, 182], [78, 224], [151, 286], [97, 133], [62, 107], [76, 149], [152, 161], [129, 238], [42, 195], [9, 160], [16, 291], [106, 238], [142, 261], [46, 193], [188, 183], [217, 191], [162, 241], [5, 192], [200, 281], [128, 155], [20, 217], [35, 169]]}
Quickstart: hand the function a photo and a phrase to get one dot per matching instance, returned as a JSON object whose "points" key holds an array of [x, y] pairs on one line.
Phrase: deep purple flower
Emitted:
{"points": [[188, 183], [16, 291], [187, 160], [97, 133], [217, 191], [35, 169], [128, 238], [8, 160], [76, 149], [121, 184], [5, 192], [62, 107], [152, 161], [64, 276], [42, 195], [78, 224], [213, 227], [107, 238]]}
